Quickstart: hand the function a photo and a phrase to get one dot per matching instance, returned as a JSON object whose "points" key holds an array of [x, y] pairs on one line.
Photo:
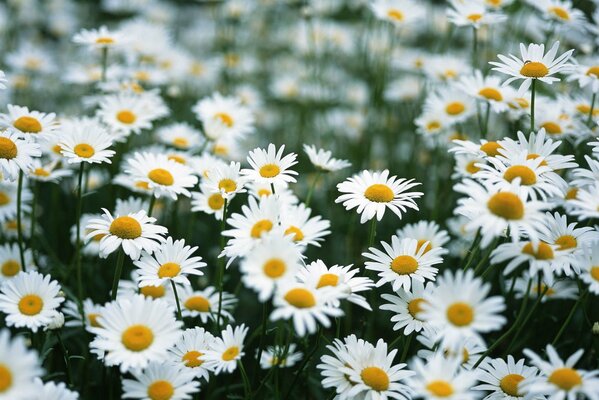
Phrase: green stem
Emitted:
{"points": [[246, 382], [530, 314], [570, 315], [65, 356], [311, 190], [179, 315], [406, 348], [151, 206], [78, 233], [372, 234], [19, 222], [303, 364], [473, 250], [474, 47], [486, 123], [261, 339], [590, 118], [532, 105], [104, 63], [33, 212], [117, 272], [221, 267]]}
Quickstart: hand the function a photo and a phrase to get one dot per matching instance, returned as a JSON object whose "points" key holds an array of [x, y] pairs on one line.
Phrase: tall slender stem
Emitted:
{"points": [[221, 267], [261, 339], [532, 105], [312, 186], [20, 223], [246, 382], [151, 206], [570, 315], [117, 272], [304, 363], [372, 233], [78, 232], [33, 212], [474, 47], [406, 348], [104, 63], [179, 315], [590, 118]]}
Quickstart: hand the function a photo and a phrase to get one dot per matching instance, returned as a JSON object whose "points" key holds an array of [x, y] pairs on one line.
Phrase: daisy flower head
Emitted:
{"points": [[473, 13], [423, 232], [322, 159], [451, 104], [100, 38], [164, 176], [407, 307], [225, 180], [333, 367], [403, 262], [10, 261], [269, 166], [52, 171], [562, 12], [126, 113], [278, 356], [317, 275], [208, 201], [204, 303], [563, 289], [171, 261], [458, 308], [505, 379], [587, 75], [25, 121], [468, 353], [3, 80], [559, 379], [52, 391], [29, 300], [134, 331], [85, 140], [398, 12], [161, 381], [190, 349], [91, 311], [305, 306], [373, 192], [486, 89], [586, 203], [8, 200], [296, 222], [533, 63], [19, 367], [17, 153], [225, 350], [133, 232], [223, 116], [275, 259], [589, 263], [181, 136], [494, 210]]}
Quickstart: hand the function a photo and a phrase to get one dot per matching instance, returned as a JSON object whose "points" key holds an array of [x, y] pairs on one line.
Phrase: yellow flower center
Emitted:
{"points": [[474, 17], [177, 158], [440, 388], [327, 280], [228, 185], [471, 167], [490, 93], [379, 193], [41, 172], [5, 378], [534, 69], [593, 71], [455, 108], [571, 194], [191, 359], [31, 304], [415, 306], [460, 314], [8, 148], [376, 378], [566, 242], [421, 243], [169, 270], [269, 170], [154, 292], [216, 201], [560, 12], [125, 228], [180, 142], [161, 176], [552, 128], [395, 15], [565, 378], [197, 303], [542, 252], [404, 265], [297, 233], [142, 185], [300, 298], [595, 272], [126, 117], [137, 338], [527, 176], [224, 118], [93, 320], [264, 192], [260, 227], [104, 40], [506, 205], [491, 148], [534, 156], [11, 268], [230, 353], [433, 125], [84, 150], [27, 124], [274, 268], [4, 199], [509, 384], [161, 390]]}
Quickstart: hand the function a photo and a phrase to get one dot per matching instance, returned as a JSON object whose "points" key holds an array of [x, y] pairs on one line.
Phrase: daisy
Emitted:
{"points": [[459, 308], [540, 256], [559, 379], [373, 192], [552, 290], [269, 166], [407, 307], [19, 367], [172, 261], [134, 232], [208, 202], [586, 203], [587, 75], [125, 113], [442, 378], [317, 275], [534, 64], [306, 306], [85, 140], [333, 368], [280, 357], [494, 211], [181, 136], [165, 177], [398, 12], [487, 89], [225, 350], [135, 331], [469, 351], [275, 259], [484, 148], [225, 179], [10, 264], [583, 177], [100, 38], [52, 391], [8, 201], [127, 288], [16, 154], [25, 121], [90, 310], [29, 300], [589, 263], [561, 11], [451, 104], [204, 303], [161, 381], [190, 349], [296, 222], [322, 159], [554, 119], [474, 14], [48, 172], [425, 232], [403, 262], [224, 116], [505, 380]]}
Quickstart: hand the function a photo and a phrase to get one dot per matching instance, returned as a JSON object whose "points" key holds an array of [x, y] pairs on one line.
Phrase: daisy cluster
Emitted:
{"points": [[343, 199]]}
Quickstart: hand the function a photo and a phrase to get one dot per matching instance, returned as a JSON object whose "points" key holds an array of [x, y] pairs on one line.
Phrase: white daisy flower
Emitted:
{"points": [[133, 232], [333, 368], [48, 172], [135, 331], [469, 351], [425, 232], [540, 256], [125, 113], [225, 350], [533, 64], [19, 366], [407, 307], [225, 179], [10, 261], [505, 380], [52, 391], [586, 203], [473, 13], [296, 222], [127, 288], [181, 136], [564, 289], [280, 357], [224, 116], [561, 11], [8, 200], [16, 154], [204, 303], [25, 121], [323, 161], [85, 140], [589, 264], [209, 202], [398, 12], [90, 310], [172, 261], [190, 349], [459, 308], [586, 75], [403, 262], [161, 381], [269, 166], [373, 192], [451, 104], [484, 148], [487, 88], [29, 300], [100, 38]]}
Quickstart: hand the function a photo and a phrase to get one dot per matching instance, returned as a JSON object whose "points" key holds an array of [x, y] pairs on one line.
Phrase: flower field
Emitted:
{"points": [[299, 199]]}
